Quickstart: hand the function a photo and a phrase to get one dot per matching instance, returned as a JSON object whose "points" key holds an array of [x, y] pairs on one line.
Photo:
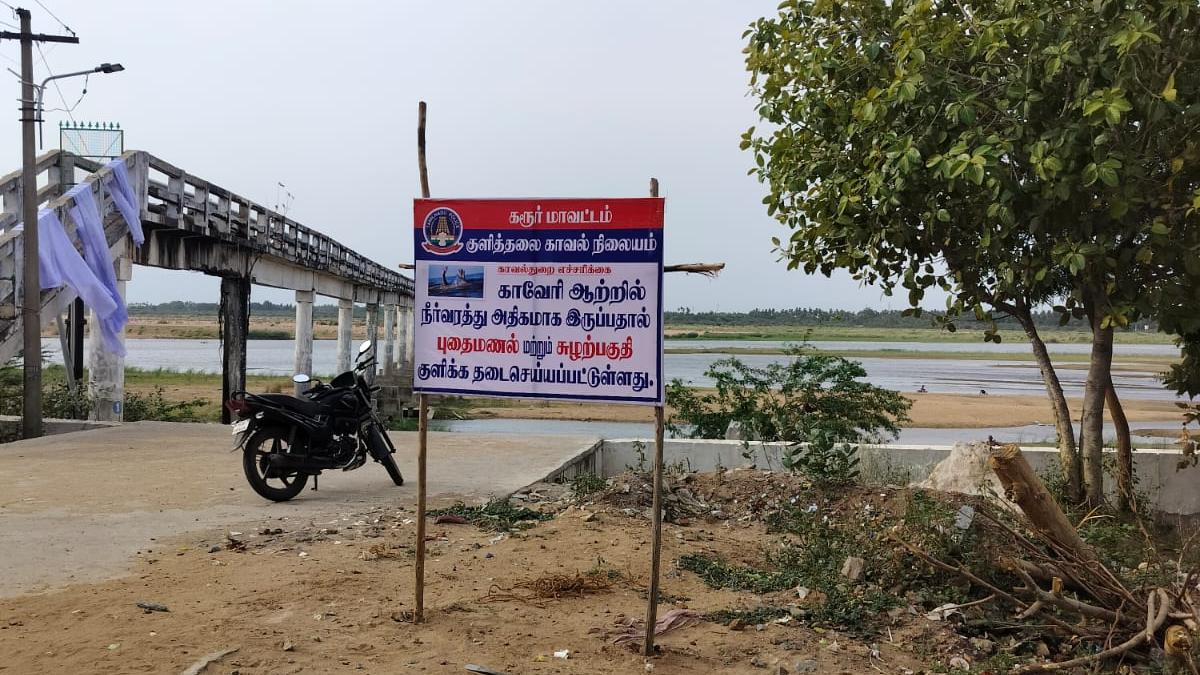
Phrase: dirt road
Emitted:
{"points": [[83, 507]]}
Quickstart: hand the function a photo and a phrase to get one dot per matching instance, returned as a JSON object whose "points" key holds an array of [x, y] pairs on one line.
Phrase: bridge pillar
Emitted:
{"points": [[373, 337], [304, 337], [401, 336], [106, 370], [389, 339], [345, 334], [410, 319], [235, 325]]}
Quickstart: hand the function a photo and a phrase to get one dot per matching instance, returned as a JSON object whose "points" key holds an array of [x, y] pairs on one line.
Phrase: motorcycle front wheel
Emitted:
{"points": [[256, 462], [382, 452]]}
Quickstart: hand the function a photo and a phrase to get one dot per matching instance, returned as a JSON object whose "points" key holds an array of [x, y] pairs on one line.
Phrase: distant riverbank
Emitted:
{"points": [[197, 327]]}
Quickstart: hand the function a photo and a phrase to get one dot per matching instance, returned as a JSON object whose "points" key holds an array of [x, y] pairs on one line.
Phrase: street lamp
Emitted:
{"points": [[41, 90]]}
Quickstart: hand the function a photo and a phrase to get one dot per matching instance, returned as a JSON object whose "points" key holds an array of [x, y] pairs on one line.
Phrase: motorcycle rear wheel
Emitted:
{"points": [[256, 463]]}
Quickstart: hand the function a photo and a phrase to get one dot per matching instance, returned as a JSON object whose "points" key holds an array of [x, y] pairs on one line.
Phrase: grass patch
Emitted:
{"points": [[747, 616], [683, 332], [268, 334], [585, 484], [498, 515]]}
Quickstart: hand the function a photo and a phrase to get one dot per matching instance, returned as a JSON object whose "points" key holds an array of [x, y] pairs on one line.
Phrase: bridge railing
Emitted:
{"points": [[177, 199]]}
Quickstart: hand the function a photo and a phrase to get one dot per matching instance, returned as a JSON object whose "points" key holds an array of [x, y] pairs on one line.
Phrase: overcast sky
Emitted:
{"points": [[526, 99]]}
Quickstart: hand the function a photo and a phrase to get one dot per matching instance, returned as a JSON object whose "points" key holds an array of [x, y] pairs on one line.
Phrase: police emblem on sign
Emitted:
{"points": [[443, 232]]}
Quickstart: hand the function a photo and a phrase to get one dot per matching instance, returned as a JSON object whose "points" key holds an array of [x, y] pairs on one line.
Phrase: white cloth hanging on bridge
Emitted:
{"points": [[118, 185], [60, 264], [90, 227]]}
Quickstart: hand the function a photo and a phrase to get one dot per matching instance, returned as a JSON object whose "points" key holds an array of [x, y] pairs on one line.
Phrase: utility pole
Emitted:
{"points": [[31, 290]]}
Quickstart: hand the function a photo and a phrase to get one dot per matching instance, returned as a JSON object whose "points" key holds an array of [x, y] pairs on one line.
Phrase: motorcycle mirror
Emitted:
{"points": [[300, 378], [364, 347]]}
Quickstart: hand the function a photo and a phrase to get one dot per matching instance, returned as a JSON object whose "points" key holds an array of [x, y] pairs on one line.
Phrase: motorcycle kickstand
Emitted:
{"points": [[315, 475]]}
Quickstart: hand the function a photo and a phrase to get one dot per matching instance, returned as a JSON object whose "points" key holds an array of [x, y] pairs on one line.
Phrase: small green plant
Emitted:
{"points": [[155, 406], [818, 402], [498, 515], [640, 468], [588, 483]]}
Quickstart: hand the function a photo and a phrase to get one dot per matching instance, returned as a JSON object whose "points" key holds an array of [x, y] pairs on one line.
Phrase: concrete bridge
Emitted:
{"points": [[193, 224]]}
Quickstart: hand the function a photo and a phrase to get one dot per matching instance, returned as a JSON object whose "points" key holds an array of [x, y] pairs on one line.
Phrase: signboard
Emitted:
{"points": [[539, 298]]}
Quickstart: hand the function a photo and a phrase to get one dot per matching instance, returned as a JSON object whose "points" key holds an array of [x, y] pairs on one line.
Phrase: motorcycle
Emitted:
{"points": [[285, 439]]}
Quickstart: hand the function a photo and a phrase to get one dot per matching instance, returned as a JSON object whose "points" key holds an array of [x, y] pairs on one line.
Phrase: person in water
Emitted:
{"points": [[445, 282], [462, 276]]}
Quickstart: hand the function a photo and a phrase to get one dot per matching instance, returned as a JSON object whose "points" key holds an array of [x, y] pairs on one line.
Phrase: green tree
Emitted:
{"points": [[819, 401], [1011, 153]]}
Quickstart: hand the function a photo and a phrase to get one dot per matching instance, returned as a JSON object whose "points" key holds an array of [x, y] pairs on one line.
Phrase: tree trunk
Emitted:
{"points": [[1125, 496], [1092, 432], [1023, 486], [1068, 452]]}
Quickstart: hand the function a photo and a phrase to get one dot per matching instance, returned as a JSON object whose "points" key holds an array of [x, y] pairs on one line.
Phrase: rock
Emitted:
{"points": [[288, 646], [149, 607], [736, 624], [1042, 650], [966, 471], [852, 569], [758, 662], [802, 592], [959, 663], [782, 670], [983, 646], [806, 666], [449, 519]]}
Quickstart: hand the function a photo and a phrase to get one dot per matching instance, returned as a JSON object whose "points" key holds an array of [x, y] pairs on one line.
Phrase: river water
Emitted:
{"points": [[937, 375]]}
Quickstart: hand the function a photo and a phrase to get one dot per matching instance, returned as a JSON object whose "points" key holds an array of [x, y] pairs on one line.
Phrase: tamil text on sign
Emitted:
{"points": [[539, 298]]}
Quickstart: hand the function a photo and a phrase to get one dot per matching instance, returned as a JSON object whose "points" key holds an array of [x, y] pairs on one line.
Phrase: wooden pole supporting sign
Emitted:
{"points": [[422, 410], [656, 536]]}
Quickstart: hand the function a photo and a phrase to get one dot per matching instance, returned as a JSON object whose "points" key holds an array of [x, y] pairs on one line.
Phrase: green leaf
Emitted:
{"points": [[1090, 174], [1109, 176], [943, 215]]}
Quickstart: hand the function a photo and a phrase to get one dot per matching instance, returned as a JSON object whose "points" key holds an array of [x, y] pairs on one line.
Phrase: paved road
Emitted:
{"points": [[78, 507]]}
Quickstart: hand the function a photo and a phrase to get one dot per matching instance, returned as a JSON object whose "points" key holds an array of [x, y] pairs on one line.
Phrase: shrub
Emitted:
{"points": [[815, 400]]}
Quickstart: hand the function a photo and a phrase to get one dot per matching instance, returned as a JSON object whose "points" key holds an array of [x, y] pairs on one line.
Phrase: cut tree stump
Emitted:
{"points": [[1023, 487]]}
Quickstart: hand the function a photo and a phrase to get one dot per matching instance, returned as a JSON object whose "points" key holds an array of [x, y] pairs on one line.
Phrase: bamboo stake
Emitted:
{"points": [[656, 537], [422, 409]]}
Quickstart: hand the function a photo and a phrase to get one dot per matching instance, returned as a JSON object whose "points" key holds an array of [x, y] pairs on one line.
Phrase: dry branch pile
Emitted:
{"points": [[1061, 581], [552, 587]]}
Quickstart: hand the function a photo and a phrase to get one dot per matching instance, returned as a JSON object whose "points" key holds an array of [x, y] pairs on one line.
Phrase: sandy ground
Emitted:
{"points": [[81, 506], [320, 599], [929, 410]]}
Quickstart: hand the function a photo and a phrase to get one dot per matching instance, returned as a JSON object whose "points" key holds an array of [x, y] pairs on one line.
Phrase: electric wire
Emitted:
{"points": [[60, 21]]}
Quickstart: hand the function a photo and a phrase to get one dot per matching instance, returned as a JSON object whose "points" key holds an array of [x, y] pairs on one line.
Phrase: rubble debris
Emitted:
{"points": [[632, 631], [852, 569], [204, 661], [151, 607]]}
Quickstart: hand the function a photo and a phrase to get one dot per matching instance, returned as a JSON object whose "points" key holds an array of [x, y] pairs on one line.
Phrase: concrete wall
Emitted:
{"points": [[1175, 492]]}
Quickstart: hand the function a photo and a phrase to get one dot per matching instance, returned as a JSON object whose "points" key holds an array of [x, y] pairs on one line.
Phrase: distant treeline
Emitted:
{"points": [[257, 309], [869, 318]]}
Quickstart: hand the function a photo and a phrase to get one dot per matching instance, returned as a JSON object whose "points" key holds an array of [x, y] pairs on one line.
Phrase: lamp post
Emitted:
{"points": [[41, 90]]}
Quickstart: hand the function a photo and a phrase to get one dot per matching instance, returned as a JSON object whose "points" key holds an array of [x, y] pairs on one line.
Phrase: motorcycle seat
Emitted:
{"points": [[299, 405]]}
